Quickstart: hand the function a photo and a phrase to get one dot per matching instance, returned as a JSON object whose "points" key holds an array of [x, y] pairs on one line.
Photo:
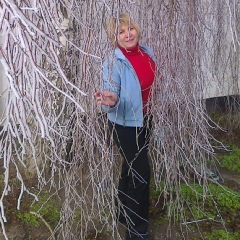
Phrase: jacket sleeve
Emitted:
{"points": [[112, 81]]}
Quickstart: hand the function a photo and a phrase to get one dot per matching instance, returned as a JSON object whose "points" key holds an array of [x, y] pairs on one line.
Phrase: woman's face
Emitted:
{"points": [[127, 36]]}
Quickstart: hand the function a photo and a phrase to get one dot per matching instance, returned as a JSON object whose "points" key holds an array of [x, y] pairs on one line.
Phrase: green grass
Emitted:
{"points": [[222, 235], [199, 204], [231, 160]]}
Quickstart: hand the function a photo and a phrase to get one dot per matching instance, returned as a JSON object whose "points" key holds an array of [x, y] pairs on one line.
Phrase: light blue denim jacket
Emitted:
{"points": [[120, 78]]}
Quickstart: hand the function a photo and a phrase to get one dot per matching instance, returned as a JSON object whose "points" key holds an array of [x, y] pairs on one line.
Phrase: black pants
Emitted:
{"points": [[133, 189]]}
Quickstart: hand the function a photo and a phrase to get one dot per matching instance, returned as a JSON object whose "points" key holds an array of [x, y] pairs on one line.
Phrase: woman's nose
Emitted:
{"points": [[128, 34]]}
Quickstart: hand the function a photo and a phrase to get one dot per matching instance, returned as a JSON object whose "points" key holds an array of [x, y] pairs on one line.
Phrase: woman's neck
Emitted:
{"points": [[132, 51]]}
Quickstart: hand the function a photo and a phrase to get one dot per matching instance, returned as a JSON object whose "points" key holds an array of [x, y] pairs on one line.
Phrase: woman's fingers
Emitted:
{"points": [[97, 93], [105, 98], [111, 98], [110, 95], [98, 97]]}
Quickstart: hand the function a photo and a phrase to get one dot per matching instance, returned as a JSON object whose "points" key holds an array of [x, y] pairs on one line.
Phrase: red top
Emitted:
{"points": [[144, 67]]}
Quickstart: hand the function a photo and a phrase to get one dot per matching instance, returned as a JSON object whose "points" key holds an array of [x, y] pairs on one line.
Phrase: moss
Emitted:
{"points": [[47, 207], [155, 191], [222, 235], [28, 218]]}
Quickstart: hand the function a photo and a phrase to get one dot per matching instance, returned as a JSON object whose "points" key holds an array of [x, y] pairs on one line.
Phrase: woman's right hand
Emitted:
{"points": [[106, 98]]}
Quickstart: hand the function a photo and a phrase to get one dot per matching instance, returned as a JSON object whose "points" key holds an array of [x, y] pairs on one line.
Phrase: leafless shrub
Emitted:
{"points": [[52, 53]]}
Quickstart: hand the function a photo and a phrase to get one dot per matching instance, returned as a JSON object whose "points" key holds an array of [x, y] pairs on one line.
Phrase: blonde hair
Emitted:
{"points": [[114, 23]]}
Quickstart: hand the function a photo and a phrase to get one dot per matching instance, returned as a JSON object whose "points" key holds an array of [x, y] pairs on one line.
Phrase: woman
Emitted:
{"points": [[128, 77]]}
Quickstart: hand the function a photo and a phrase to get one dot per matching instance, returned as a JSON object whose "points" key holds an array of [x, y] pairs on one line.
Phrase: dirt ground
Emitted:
{"points": [[17, 230]]}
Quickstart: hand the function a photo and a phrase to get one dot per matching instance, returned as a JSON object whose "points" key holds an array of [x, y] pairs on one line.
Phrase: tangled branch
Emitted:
{"points": [[52, 54]]}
